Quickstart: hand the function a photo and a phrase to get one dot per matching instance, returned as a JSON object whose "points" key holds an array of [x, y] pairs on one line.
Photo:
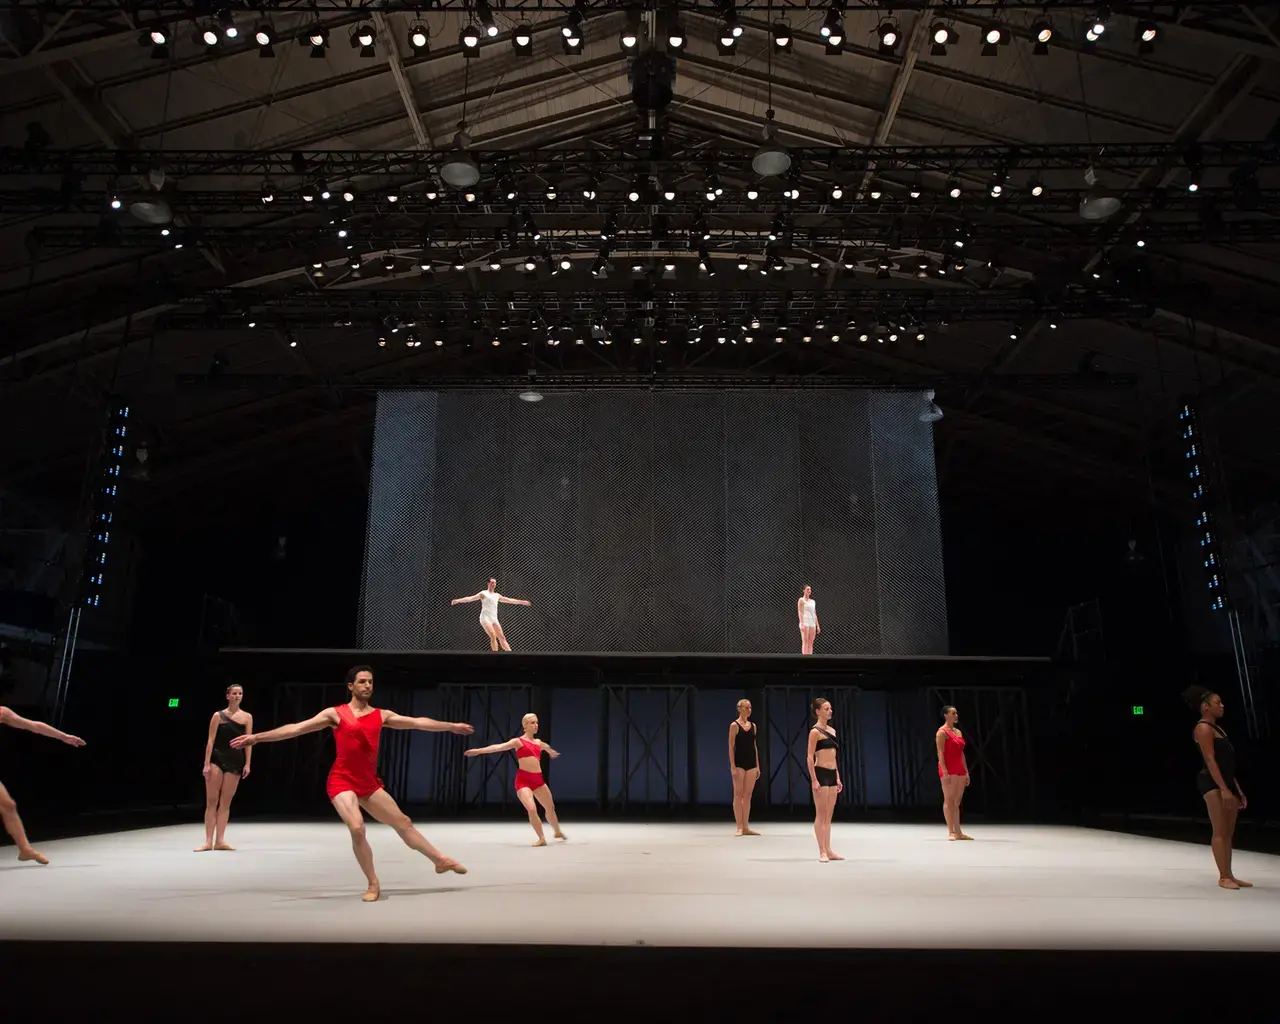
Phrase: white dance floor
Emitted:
{"points": [[902, 886]]}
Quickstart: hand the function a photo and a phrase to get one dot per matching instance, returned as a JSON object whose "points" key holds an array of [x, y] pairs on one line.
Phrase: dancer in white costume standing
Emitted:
{"points": [[489, 600], [807, 610]]}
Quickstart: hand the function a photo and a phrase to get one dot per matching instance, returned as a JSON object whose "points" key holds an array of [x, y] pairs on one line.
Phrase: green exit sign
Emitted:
{"points": [[173, 703], [1137, 708]]}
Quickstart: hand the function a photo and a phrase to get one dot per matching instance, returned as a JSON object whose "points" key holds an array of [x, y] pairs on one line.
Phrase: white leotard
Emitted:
{"points": [[488, 606], [810, 612]]}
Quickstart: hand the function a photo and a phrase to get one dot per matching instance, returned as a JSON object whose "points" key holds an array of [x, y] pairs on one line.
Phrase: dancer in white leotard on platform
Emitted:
{"points": [[489, 600], [807, 609]]}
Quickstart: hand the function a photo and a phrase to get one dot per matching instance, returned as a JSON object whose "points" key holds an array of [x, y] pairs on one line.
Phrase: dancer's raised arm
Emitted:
{"points": [[492, 748], [393, 721], [465, 600], [16, 721], [327, 719], [513, 600]]}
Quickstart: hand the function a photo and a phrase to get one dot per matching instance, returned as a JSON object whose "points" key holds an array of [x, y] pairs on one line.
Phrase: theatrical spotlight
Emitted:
{"points": [[265, 36], [832, 31], [227, 24], [1041, 32], [676, 37], [362, 40], [993, 37], [572, 32], [158, 40], [522, 40], [208, 36], [1146, 33], [469, 40], [887, 30], [629, 37], [317, 37], [942, 37], [727, 39], [419, 39], [782, 36]]}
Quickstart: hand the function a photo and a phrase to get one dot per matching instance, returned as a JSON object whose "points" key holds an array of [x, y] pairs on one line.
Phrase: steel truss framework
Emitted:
{"points": [[338, 166], [996, 723], [196, 8], [657, 748], [495, 711]]}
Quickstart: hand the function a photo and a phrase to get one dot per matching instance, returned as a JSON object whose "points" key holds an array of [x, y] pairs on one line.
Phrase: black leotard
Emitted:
{"points": [[1225, 754], [744, 747], [224, 755], [828, 741], [826, 776]]}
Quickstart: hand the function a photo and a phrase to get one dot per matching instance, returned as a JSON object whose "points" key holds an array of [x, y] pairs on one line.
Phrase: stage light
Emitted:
{"points": [[942, 35], [676, 38], [362, 40], [1042, 33], [887, 30], [628, 39], [228, 24], [782, 36], [419, 39], [522, 40], [317, 38], [1146, 33], [469, 40], [209, 36]]}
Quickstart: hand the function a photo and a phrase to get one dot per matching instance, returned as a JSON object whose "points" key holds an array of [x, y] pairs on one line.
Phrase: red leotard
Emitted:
{"points": [[524, 779], [952, 754], [356, 765]]}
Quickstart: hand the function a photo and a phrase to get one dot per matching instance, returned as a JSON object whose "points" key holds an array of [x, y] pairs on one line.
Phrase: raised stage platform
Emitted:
{"points": [[661, 916]]}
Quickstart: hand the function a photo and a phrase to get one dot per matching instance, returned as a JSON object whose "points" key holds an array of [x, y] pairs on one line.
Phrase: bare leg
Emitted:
{"points": [[748, 785], [1221, 841], [738, 778], [348, 808], [830, 811], [382, 807], [502, 637], [1231, 816], [491, 631], [819, 823], [13, 825], [525, 796], [543, 795], [230, 782], [212, 787], [959, 798]]}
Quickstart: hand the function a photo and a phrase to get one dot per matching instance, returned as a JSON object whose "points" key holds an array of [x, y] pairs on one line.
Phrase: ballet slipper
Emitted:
{"points": [[450, 865], [371, 894], [823, 858], [539, 842], [562, 837], [739, 834], [35, 855], [961, 835]]}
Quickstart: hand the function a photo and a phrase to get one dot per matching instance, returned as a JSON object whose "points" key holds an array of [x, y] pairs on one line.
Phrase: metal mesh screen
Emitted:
{"points": [[682, 522]]}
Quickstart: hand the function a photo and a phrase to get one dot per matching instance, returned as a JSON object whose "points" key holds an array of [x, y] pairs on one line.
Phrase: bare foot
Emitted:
{"points": [[750, 832], [539, 842], [561, 836], [1228, 883], [1240, 882], [224, 846], [450, 865], [822, 858], [203, 849], [834, 856], [372, 893], [961, 835], [35, 855], [738, 834]]}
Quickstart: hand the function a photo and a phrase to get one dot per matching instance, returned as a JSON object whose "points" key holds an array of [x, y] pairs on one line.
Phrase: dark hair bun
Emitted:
{"points": [[1195, 696]]}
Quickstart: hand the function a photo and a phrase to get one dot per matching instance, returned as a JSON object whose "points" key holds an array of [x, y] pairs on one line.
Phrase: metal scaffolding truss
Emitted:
{"points": [[250, 8], [643, 757], [495, 711], [560, 166]]}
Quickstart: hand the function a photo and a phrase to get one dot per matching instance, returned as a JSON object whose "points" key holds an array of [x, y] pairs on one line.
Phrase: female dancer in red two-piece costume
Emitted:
{"points": [[529, 783], [953, 770], [9, 809], [353, 782]]}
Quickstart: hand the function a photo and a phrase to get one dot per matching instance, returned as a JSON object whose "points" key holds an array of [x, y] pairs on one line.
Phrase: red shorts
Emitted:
{"points": [[341, 782], [528, 780]]}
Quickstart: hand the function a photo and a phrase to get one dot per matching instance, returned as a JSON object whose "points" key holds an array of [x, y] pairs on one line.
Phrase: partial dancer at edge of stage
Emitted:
{"points": [[744, 766], [490, 599], [824, 770], [224, 768], [353, 782], [1217, 780], [529, 783], [807, 609], [953, 770], [9, 809]]}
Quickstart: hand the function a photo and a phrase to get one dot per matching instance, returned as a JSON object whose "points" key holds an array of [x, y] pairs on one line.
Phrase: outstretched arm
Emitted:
{"points": [[492, 748], [393, 721], [512, 600], [7, 717], [465, 600], [549, 748], [327, 719]]}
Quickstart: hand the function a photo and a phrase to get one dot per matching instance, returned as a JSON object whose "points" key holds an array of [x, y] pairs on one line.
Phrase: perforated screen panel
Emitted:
{"points": [[681, 522]]}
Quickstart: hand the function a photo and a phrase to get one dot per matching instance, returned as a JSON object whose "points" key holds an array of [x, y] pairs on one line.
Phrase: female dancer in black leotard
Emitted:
{"points": [[824, 770], [224, 767], [1217, 780], [744, 766]]}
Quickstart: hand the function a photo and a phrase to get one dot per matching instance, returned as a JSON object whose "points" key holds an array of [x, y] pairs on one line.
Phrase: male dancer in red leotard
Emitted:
{"points": [[353, 781]]}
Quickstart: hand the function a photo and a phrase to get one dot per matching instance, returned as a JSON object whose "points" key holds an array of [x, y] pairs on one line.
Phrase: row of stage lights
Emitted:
{"points": [[1210, 549], [104, 502], [573, 36]]}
